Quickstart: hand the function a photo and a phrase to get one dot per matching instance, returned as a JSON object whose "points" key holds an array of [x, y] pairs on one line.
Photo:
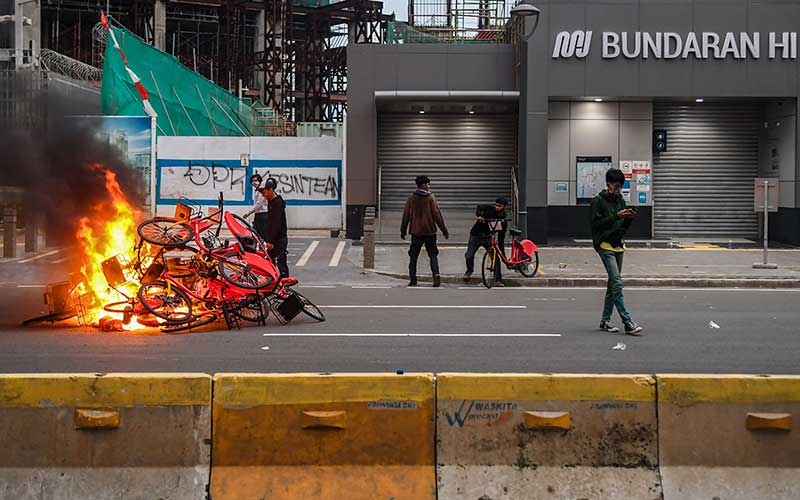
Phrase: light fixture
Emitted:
{"points": [[526, 9], [422, 111], [598, 99], [699, 99]]}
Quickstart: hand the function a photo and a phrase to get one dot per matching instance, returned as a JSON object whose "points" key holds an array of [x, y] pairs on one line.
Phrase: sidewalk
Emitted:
{"points": [[699, 266]]}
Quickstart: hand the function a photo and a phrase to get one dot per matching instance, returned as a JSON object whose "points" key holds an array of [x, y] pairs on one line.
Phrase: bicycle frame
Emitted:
{"points": [[518, 248]]}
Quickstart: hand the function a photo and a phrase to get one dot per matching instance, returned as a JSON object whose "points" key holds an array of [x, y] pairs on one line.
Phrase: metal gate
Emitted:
{"points": [[703, 184], [469, 158]]}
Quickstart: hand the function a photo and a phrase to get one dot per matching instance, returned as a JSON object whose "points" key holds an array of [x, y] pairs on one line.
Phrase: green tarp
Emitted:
{"points": [[186, 102]]}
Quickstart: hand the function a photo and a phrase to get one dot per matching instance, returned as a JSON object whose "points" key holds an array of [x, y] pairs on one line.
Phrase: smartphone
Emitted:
{"points": [[633, 209]]}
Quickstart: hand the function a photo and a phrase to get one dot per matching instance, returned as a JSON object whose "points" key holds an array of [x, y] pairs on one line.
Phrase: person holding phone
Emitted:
{"points": [[610, 220]]}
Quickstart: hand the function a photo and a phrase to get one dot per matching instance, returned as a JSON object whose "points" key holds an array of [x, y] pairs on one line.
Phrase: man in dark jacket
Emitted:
{"points": [[423, 216], [481, 236], [610, 219], [276, 236]]}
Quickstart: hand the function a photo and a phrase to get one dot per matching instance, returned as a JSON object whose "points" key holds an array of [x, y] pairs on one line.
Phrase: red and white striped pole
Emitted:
{"points": [[143, 93]]}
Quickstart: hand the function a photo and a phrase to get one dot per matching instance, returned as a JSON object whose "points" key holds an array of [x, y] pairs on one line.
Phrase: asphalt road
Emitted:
{"points": [[385, 327]]}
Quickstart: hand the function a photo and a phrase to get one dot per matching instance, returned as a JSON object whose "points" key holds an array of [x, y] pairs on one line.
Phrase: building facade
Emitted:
{"points": [[589, 90]]}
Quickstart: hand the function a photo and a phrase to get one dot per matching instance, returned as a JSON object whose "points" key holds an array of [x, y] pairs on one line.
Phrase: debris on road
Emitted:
{"points": [[620, 347], [711, 324]]}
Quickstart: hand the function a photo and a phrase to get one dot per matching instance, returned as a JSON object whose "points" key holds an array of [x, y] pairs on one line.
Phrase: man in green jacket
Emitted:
{"points": [[610, 220]]}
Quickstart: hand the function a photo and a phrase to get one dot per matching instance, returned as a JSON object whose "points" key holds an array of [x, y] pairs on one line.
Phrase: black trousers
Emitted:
{"points": [[430, 247], [260, 224], [475, 242], [278, 255]]}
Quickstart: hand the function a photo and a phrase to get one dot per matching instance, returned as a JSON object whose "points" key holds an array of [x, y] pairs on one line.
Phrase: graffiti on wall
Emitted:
{"points": [[203, 181], [315, 184]]}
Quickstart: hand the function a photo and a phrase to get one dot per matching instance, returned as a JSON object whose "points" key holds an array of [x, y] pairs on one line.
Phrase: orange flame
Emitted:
{"points": [[109, 232]]}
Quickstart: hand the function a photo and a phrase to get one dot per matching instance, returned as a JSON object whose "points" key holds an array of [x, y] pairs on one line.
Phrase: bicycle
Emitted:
{"points": [[237, 266], [524, 255], [284, 302]]}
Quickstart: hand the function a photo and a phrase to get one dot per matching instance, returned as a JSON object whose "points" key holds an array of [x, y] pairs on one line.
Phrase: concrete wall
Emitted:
{"points": [[621, 130], [308, 171], [408, 67]]}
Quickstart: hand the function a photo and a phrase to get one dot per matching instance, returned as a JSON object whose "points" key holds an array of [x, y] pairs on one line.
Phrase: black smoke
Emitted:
{"points": [[58, 160]]}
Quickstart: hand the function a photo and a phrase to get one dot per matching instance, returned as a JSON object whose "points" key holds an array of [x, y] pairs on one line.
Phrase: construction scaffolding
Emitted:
{"points": [[460, 20], [289, 55]]}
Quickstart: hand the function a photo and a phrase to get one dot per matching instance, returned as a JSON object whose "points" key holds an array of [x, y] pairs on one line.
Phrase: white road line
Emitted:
{"points": [[61, 260], [31, 286], [337, 254], [367, 287], [40, 256], [421, 307], [317, 286], [461, 335], [307, 254]]}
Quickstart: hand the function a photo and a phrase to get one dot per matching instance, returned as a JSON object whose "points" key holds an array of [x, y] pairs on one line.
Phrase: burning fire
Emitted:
{"points": [[109, 232]]}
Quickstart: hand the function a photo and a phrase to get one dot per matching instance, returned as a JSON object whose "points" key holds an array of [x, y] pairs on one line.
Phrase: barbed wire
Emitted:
{"points": [[67, 66]]}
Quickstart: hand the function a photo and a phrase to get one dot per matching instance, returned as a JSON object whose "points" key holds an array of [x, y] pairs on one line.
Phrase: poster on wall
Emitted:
{"points": [[591, 176], [133, 137]]}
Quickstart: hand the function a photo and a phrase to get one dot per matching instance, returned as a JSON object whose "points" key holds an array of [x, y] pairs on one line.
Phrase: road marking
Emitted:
{"points": [[461, 335], [421, 307], [31, 286], [61, 260], [317, 286], [307, 254], [40, 256], [368, 287], [337, 254]]}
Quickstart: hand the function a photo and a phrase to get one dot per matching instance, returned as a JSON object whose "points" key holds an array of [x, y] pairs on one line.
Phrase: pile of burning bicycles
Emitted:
{"points": [[183, 276]]}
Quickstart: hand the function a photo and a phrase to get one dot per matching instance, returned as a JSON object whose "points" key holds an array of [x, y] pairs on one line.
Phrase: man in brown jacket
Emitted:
{"points": [[423, 215]]}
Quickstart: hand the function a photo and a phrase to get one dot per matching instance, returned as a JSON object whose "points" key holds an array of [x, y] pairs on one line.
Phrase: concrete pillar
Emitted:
{"points": [[32, 225], [19, 20], [9, 232], [369, 238], [533, 116], [160, 25]]}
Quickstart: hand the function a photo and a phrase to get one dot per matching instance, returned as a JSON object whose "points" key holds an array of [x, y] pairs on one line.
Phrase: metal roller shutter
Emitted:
{"points": [[703, 184], [469, 158]]}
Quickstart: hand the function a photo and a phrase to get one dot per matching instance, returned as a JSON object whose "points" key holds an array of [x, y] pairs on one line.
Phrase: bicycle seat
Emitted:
{"points": [[514, 231], [288, 281]]}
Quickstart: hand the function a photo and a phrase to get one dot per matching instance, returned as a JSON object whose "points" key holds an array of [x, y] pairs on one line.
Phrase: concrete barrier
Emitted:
{"points": [[335, 437], [104, 436], [729, 437], [546, 437]]}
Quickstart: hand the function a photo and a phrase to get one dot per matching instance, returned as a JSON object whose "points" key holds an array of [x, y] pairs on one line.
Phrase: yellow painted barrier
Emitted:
{"points": [[546, 437], [96, 437], [332, 437], [729, 437]]}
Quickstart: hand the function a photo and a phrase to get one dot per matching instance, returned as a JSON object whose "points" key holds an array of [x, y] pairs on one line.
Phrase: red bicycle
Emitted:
{"points": [[524, 255]]}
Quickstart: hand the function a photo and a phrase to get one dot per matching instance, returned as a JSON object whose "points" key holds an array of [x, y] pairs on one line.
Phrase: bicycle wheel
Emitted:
{"points": [[252, 309], [309, 308], [165, 232], [165, 302], [529, 269], [196, 322], [236, 271], [487, 268]]}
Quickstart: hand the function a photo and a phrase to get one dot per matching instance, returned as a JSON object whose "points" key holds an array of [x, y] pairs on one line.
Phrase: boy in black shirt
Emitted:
{"points": [[481, 236], [276, 233]]}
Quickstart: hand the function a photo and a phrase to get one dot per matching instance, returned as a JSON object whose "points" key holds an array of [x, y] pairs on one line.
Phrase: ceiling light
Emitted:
{"points": [[699, 99], [422, 111], [472, 111], [597, 99]]}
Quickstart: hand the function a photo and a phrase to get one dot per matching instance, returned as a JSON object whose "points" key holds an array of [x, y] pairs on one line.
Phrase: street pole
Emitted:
{"points": [[766, 264]]}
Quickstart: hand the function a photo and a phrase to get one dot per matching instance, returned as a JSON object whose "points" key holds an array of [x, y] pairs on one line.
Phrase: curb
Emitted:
{"points": [[602, 282]]}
